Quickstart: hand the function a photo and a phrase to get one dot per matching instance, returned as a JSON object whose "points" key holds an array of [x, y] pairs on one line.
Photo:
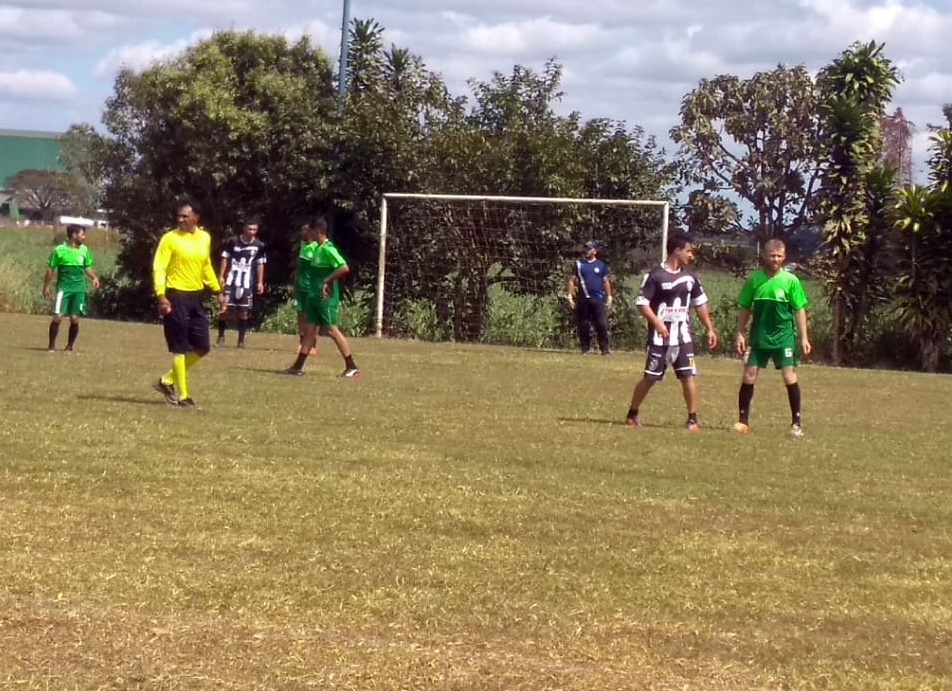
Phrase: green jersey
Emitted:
{"points": [[70, 264], [327, 259], [773, 301], [305, 272]]}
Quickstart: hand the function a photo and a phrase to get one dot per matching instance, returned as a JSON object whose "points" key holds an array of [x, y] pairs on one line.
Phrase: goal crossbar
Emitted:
{"points": [[382, 257]]}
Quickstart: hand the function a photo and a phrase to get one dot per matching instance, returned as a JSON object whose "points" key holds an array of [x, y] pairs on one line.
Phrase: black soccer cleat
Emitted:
{"points": [[168, 391], [187, 403]]}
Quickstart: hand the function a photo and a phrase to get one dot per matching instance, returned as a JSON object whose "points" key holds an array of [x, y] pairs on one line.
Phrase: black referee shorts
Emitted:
{"points": [[186, 327]]}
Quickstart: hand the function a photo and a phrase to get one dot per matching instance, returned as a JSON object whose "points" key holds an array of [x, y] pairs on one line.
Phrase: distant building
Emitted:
{"points": [[25, 150]]}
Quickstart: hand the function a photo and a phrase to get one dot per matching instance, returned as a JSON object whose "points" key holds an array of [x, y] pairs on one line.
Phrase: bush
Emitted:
{"points": [[356, 316], [123, 300]]}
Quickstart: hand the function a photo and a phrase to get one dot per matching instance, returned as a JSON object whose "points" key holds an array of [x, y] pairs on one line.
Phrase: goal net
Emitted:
{"points": [[449, 262]]}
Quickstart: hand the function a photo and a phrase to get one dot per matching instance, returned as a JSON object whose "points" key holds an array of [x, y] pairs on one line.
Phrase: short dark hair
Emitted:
{"points": [[72, 229], [190, 203], [319, 224], [251, 221], [678, 241]]}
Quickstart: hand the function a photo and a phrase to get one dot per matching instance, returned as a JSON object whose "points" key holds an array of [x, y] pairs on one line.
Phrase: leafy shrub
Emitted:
{"points": [[356, 316]]}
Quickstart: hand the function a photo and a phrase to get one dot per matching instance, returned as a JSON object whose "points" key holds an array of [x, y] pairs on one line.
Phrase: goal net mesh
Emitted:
{"points": [[453, 269]]}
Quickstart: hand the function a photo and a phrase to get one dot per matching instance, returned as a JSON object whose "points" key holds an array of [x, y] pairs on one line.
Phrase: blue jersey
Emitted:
{"points": [[591, 277]]}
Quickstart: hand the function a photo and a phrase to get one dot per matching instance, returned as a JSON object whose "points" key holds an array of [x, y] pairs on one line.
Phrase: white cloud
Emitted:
{"points": [[530, 37], [141, 55], [37, 84], [53, 25]]}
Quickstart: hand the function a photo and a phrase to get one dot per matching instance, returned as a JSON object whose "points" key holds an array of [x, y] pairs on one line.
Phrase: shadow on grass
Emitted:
{"points": [[614, 422], [138, 400]]}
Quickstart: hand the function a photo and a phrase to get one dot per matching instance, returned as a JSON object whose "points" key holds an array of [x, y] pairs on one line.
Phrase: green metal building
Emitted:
{"points": [[25, 150]]}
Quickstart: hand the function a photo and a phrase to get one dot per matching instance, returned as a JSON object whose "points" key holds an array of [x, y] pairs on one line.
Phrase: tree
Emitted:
{"points": [[757, 139], [897, 144], [241, 122], [48, 192], [856, 89], [923, 279], [82, 151]]}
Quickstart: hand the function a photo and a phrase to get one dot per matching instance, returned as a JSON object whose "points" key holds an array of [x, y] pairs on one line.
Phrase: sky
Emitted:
{"points": [[628, 60]]}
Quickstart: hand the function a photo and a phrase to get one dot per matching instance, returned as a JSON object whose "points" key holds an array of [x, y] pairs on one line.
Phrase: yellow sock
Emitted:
{"points": [[180, 374], [191, 359]]}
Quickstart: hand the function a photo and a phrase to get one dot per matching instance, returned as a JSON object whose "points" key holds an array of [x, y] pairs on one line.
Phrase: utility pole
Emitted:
{"points": [[343, 68]]}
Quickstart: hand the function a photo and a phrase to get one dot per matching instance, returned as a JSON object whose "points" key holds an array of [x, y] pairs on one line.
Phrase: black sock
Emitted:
{"points": [[222, 325], [744, 398], [242, 330], [54, 330], [73, 333], [632, 414], [299, 363], [349, 362], [793, 395], [692, 418]]}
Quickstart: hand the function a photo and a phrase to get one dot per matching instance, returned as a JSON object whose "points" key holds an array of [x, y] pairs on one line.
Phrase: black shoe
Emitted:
{"points": [[166, 390], [68, 349], [187, 403], [293, 371]]}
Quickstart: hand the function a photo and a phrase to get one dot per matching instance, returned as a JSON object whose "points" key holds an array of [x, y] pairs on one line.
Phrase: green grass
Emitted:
{"points": [[462, 517]]}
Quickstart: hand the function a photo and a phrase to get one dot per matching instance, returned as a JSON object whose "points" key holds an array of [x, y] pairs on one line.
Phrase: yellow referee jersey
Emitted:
{"points": [[183, 262]]}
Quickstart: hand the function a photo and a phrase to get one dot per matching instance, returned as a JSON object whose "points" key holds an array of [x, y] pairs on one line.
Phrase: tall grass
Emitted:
{"points": [[24, 253]]}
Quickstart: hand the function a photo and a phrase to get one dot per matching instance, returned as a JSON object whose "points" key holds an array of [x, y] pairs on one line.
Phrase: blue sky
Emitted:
{"points": [[630, 60]]}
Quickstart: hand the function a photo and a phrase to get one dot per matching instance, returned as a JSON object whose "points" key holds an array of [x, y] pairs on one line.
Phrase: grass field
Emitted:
{"points": [[462, 517]]}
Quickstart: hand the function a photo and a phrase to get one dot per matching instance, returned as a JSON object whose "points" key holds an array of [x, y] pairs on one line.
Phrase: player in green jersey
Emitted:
{"points": [[70, 264], [774, 304], [322, 302], [302, 285]]}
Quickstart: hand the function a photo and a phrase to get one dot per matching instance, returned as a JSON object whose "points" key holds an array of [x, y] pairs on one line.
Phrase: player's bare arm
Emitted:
{"points": [[260, 279], [222, 271], [48, 283], [801, 318], [97, 283], [609, 296], [704, 314], [649, 314], [743, 320], [334, 277]]}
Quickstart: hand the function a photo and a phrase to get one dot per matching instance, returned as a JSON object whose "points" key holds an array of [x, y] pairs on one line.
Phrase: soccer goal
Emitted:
{"points": [[447, 258]]}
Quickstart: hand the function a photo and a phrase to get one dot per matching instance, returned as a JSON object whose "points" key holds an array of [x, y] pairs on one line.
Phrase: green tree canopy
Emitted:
{"points": [[756, 140]]}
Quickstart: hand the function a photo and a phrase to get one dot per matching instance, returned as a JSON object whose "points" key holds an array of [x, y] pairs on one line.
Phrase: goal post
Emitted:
{"points": [[481, 230]]}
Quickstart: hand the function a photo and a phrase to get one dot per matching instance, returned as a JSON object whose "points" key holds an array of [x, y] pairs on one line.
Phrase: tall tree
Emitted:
{"points": [[82, 152], [757, 139], [856, 89], [923, 281], [241, 122], [47, 192]]}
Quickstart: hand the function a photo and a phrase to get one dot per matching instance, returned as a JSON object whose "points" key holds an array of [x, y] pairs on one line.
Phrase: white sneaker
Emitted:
{"points": [[350, 373], [796, 431]]}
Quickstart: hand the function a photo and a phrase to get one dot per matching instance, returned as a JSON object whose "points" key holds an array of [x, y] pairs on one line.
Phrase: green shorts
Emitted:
{"points": [[321, 312], [300, 300], [782, 357], [72, 304]]}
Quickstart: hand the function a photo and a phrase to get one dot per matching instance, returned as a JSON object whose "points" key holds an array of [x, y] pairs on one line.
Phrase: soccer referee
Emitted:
{"points": [[183, 275]]}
